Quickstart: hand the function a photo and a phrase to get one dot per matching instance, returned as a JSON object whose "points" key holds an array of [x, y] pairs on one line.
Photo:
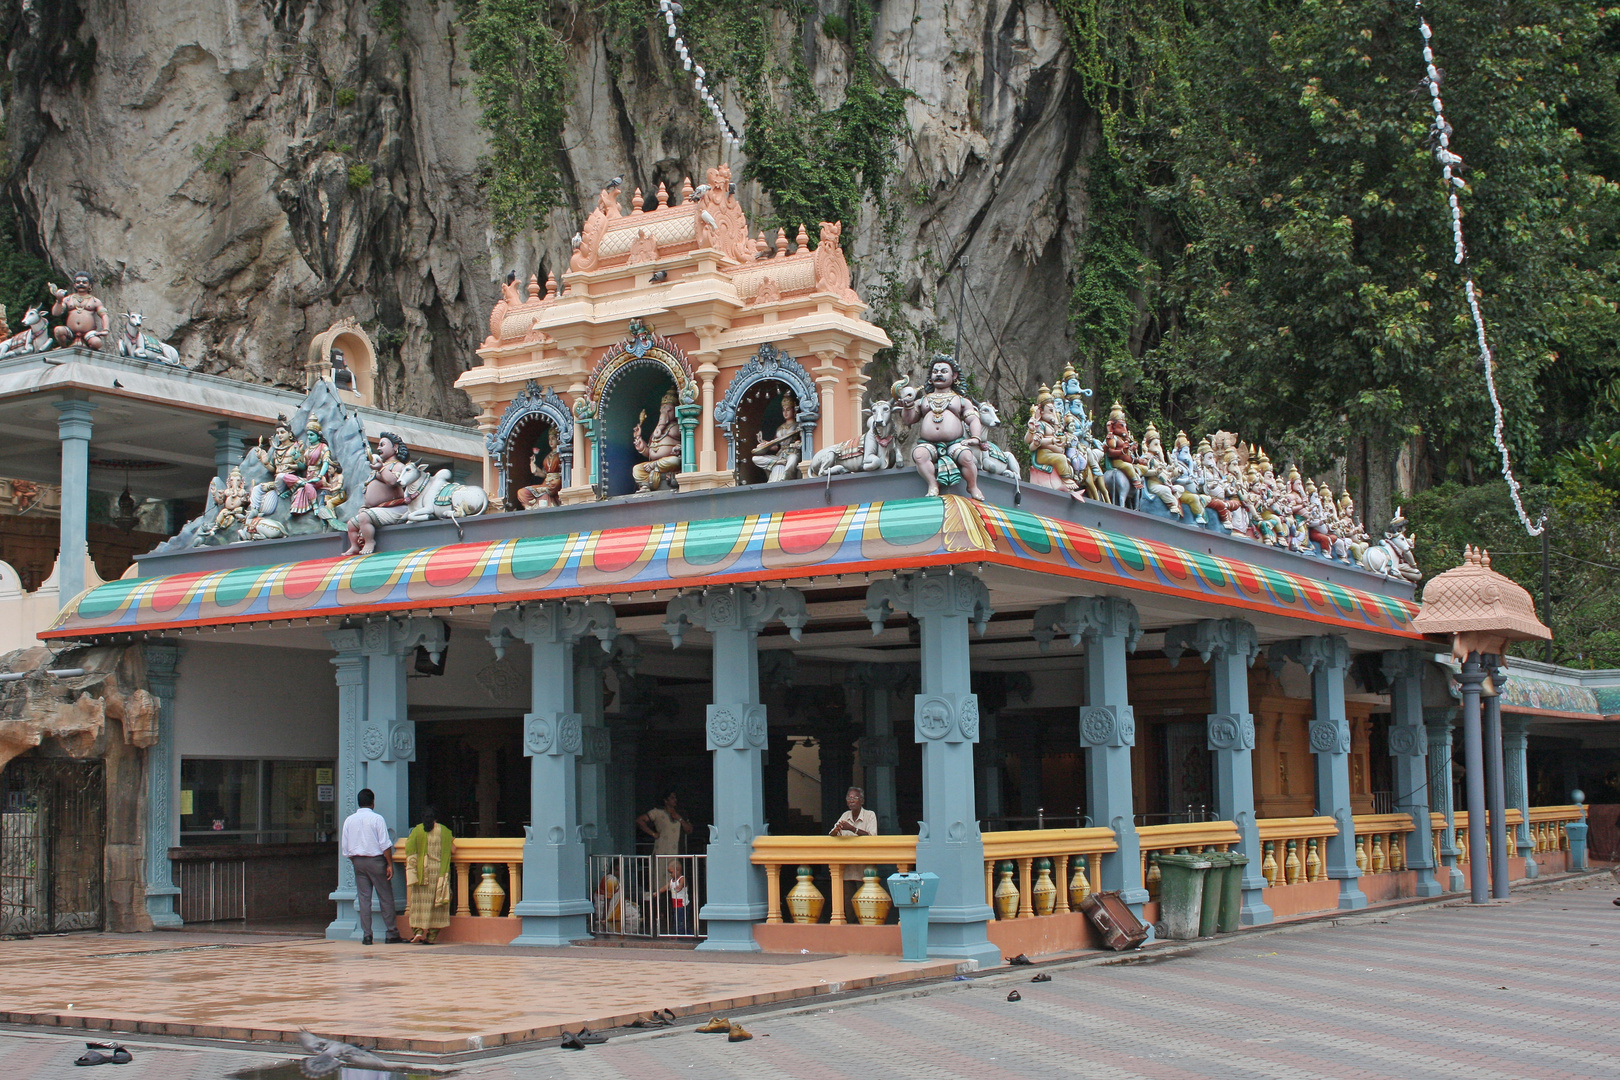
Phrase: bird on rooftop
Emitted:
{"points": [[708, 219], [614, 184], [577, 240], [659, 275], [329, 1054], [700, 191]]}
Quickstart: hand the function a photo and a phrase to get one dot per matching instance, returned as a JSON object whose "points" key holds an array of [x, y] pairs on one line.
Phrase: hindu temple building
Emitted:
{"points": [[708, 554]]}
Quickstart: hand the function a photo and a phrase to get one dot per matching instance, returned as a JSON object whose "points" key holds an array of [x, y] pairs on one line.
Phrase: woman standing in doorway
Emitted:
{"points": [[666, 825], [427, 879]]}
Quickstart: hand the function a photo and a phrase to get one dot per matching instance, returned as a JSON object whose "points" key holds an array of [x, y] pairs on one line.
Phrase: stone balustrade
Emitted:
{"points": [[1293, 849], [832, 852], [1382, 841], [1030, 873], [467, 854]]}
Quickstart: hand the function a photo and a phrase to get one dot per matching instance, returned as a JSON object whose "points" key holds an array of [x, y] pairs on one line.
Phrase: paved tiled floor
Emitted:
{"points": [[1527, 990]]}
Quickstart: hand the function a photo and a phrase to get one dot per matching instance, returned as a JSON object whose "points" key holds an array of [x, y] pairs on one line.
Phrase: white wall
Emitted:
{"points": [[253, 701]]}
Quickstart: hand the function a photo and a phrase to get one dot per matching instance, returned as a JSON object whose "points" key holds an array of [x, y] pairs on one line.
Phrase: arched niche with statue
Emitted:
{"points": [[643, 374], [527, 425], [344, 355], [753, 407]]}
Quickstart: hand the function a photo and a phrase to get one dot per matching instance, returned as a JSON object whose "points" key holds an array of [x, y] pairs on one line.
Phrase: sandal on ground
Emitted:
{"points": [[92, 1057], [654, 1021], [589, 1037], [119, 1056], [419, 939]]}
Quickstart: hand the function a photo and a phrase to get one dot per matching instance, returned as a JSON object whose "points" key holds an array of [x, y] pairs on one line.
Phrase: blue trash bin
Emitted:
{"points": [[913, 895]]}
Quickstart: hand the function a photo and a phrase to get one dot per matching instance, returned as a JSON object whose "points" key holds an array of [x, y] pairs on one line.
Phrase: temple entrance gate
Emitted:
{"points": [[53, 825]]}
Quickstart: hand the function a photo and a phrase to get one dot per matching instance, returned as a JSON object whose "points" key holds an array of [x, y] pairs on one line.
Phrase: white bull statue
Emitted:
{"points": [[438, 496]]}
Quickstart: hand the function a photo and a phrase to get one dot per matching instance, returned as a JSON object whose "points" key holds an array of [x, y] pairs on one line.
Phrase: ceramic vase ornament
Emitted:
{"points": [[1079, 882], [871, 902], [1006, 894], [1043, 894], [1291, 864], [804, 900], [489, 898]]}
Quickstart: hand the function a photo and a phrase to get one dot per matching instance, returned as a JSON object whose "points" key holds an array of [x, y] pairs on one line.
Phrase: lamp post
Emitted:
{"points": [[1481, 611]]}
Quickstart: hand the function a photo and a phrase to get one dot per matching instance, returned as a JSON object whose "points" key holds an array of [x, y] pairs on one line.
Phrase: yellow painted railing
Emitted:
{"points": [[833, 852], [479, 851], [1041, 860], [1547, 826], [1381, 842], [1192, 836], [1293, 849]]}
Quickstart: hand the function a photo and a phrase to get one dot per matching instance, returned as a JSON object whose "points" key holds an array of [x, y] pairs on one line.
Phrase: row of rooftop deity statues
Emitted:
{"points": [[299, 482], [86, 324], [1222, 484]]}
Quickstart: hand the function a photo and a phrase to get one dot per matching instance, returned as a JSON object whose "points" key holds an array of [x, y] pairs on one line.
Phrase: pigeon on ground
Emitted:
{"points": [[329, 1054]]}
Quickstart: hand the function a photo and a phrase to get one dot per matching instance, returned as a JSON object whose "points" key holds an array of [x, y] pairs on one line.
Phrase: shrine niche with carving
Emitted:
{"points": [[737, 327], [752, 411], [519, 447], [638, 387]]}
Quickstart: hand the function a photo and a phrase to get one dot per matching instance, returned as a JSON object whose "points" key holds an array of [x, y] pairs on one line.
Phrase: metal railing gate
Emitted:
{"points": [[53, 826], [631, 896]]}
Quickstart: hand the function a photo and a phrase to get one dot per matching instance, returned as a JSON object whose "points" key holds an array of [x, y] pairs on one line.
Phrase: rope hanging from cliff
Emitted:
{"points": [[1441, 133], [728, 134]]}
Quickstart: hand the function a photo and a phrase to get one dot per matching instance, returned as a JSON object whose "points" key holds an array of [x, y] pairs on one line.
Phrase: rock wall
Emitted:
{"points": [[344, 177]]}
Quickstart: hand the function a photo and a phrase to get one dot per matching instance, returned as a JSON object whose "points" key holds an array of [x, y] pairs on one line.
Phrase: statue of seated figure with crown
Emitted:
{"points": [[949, 431], [662, 449], [779, 455]]}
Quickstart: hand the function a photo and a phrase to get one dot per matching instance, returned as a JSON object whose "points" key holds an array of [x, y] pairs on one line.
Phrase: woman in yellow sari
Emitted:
{"points": [[427, 879]]}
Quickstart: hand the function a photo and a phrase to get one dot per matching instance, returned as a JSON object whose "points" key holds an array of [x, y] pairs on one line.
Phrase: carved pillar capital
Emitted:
{"points": [[1083, 617], [736, 607], [1213, 638], [931, 592], [554, 622]]}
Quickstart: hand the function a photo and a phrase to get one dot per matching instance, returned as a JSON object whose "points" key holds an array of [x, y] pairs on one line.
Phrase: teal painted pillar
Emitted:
{"points": [[1229, 647], [230, 446], [376, 737], [596, 753], [1327, 658], [162, 895], [73, 428], [687, 416], [736, 734], [1439, 722], [1110, 628], [880, 750], [1515, 741], [1495, 790], [556, 891], [1408, 746], [946, 723]]}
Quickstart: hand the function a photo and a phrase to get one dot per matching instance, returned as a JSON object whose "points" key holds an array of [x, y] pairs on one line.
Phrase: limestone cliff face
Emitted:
{"points": [[344, 175]]}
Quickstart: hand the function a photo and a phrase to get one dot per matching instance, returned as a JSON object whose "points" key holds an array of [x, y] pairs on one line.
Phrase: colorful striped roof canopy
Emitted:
{"points": [[868, 537]]}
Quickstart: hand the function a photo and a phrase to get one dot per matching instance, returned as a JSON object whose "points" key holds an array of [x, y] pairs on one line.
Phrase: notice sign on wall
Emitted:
{"points": [[323, 792], [323, 776]]}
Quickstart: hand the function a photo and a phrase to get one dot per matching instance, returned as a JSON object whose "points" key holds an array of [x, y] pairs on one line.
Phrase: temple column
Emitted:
{"points": [[1495, 790], [556, 894], [828, 375], [1110, 628], [856, 384], [880, 750], [596, 751], [1439, 722], [376, 738], [736, 735], [837, 769], [1515, 741], [1470, 679], [706, 454], [230, 445], [162, 895], [73, 428], [1229, 647], [1327, 658], [946, 723], [1408, 745]]}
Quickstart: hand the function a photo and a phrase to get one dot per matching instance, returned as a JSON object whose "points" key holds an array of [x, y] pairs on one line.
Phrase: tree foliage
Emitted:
{"points": [[22, 275]]}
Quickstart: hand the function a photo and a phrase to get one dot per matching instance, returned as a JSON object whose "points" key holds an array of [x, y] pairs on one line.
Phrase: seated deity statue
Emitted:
{"points": [[1045, 438], [779, 455], [549, 470], [949, 430], [662, 450]]}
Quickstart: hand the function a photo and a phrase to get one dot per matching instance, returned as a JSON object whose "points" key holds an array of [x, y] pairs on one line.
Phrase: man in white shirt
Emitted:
{"points": [[365, 843], [856, 821]]}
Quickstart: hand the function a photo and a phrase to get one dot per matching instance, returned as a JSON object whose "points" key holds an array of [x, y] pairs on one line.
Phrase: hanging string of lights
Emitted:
{"points": [[1449, 161], [670, 9]]}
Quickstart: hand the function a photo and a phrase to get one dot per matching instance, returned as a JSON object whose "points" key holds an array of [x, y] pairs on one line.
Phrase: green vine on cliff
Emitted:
{"points": [[22, 275], [522, 69]]}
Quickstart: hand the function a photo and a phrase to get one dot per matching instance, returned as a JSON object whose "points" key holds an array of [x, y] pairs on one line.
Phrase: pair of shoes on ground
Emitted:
{"points": [[391, 939], [659, 1018], [581, 1039], [115, 1054], [734, 1032]]}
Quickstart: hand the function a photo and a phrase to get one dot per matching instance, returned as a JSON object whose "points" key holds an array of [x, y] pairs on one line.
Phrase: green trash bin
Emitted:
{"points": [[1181, 894], [1232, 892], [1214, 889]]}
